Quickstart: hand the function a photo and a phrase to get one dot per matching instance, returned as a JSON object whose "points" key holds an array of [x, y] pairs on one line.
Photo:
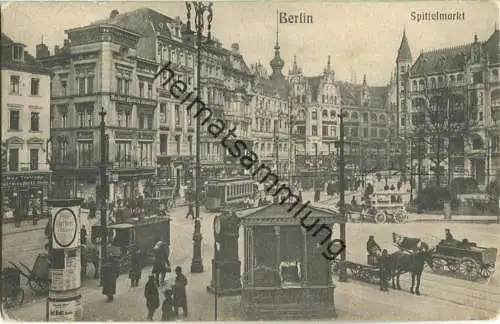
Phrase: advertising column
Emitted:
{"points": [[64, 303]]}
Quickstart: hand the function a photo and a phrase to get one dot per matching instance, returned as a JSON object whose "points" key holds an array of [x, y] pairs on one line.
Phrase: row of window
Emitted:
{"points": [[15, 82], [261, 147], [352, 116], [15, 121], [14, 164], [349, 131], [164, 113], [164, 144]]}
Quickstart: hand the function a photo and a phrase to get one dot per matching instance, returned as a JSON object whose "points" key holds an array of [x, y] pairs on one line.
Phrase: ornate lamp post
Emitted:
{"points": [[199, 9], [342, 265], [103, 192]]}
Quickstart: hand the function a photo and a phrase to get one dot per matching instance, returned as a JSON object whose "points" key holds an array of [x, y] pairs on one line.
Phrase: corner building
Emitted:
{"points": [[471, 73]]}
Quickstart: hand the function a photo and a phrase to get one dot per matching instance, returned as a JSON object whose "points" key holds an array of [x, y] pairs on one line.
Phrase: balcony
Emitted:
{"points": [[131, 164], [25, 168]]}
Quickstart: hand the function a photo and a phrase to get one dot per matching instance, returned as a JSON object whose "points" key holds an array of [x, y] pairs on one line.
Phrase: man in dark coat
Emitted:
{"points": [[152, 297], [136, 265], [190, 209], [371, 246], [167, 307], [159, 266], [180, 298], [110, 273], [384, 271]]}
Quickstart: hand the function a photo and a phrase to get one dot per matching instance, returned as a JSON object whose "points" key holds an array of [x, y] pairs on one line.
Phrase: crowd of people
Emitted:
{"points": [[175, 296]]}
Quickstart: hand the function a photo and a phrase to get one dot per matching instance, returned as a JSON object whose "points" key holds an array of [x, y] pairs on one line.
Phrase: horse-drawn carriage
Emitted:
{"points": [[466, 258], [124, 237], [382, 207]]}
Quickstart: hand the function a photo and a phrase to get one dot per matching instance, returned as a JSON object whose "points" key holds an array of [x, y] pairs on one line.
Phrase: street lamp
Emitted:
{"points": [[199, 9], [103, 193], [342, 263]]}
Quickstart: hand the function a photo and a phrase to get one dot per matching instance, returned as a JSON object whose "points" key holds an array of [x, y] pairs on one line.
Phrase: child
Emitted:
{"points": [[167, 310]]}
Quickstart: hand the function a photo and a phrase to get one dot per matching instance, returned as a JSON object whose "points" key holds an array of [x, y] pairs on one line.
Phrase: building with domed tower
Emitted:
{"points": [[272, 115]]}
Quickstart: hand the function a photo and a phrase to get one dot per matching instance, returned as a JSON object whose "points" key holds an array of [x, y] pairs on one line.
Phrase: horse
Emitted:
{"points": [[399, 263], [89, 254]]}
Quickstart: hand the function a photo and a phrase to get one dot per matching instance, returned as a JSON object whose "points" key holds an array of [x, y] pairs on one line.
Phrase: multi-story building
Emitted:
{"points": [[271, 116], [469, 74], [236, 101], [25, 130], [368, 119], [103, 66]]}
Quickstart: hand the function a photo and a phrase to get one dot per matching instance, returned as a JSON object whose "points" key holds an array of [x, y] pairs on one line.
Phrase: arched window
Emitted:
{"points": [[333, 114], [354, 116], [415, 86], [301, 115], [314, 115], [365, 117], [382, 118], [325, 114], [373, 117]]}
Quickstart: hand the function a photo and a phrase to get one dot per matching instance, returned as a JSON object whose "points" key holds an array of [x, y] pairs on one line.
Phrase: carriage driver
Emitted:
{"points": [[372, 247], [448, 237]]}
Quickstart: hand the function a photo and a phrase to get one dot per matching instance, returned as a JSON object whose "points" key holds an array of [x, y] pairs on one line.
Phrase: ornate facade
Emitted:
{"points": [[469, 73]]}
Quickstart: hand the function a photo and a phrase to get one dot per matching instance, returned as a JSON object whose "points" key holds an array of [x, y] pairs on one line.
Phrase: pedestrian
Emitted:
{"points": [[136, 264], [180, 298], [152, 297], [159, 268], [83, 235], [167, 307], [110, 273], [190, 209], [35, 215], [384, 271]]}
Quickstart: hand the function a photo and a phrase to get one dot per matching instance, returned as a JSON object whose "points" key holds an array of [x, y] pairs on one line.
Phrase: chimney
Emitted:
{"points": [[42, 51], [113, 13], [56, 49], [235, 47]]}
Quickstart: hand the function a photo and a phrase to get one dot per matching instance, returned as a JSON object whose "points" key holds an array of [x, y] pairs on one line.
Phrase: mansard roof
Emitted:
{"points": [[144, 21], [440, 60], [29, 64], [351, 94]]}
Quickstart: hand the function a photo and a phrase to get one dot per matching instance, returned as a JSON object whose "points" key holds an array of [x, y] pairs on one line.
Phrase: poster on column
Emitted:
{"points": [[66, 227], [66, 273], [65, 310]]}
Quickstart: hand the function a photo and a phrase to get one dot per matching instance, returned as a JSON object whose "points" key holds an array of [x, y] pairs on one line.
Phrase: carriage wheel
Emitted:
{"points": [[380, 218], [399, 216], [486, 270], [469, 268], [19, 298], [437, 263], [453, 265], [38, 286]]}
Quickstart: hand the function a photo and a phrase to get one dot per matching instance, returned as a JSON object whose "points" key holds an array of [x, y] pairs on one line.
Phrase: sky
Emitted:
{"points": [[361, 38]]}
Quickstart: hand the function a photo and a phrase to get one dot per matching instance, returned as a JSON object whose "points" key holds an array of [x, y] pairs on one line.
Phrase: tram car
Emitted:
{"points": [[232, 191]]}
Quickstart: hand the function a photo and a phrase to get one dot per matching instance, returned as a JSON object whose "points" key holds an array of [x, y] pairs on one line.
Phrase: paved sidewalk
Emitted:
{"points": [[26, 226]]}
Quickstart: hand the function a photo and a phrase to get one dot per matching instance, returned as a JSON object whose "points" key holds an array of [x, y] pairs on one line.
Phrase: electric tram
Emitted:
{"points": [[231, 191]]}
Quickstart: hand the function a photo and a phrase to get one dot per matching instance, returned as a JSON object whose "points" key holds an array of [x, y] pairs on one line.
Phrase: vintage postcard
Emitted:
{"points": [[230, 161]]}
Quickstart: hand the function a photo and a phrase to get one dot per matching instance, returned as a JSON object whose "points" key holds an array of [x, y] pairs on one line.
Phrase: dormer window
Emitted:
{"points": [[17, 52]]}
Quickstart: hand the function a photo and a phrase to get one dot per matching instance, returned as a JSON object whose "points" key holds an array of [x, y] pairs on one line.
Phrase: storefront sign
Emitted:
{"points": [[65, 310], [65, 228], [85, 135], [133, 100], [24, 180], [69, 277]]}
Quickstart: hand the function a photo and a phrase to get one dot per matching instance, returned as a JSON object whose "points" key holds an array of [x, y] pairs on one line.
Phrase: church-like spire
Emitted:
{"points": [[404, 53], [277, 62]]}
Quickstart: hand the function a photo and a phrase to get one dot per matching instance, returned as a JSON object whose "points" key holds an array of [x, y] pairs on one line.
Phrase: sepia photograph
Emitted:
{"points": [[250, 161]]}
